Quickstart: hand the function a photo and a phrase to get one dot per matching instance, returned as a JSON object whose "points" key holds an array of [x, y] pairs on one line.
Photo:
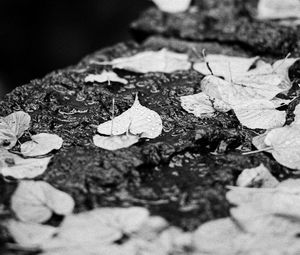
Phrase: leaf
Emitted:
{"points": [[137, 120], [257, 177], [12, 127], [105, 76], [35, 201], [215, 236], [198, 104], [285, 143], [173, 6], [30, 235], [41, 144], [259, 114], [296, 121], [273, 9], [228, 67], [98, 227], [259, 141], [115, 142], [282, 67], [19, 168], [153, 61]]}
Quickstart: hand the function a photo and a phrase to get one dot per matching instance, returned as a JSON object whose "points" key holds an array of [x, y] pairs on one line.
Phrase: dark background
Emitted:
{"points": [[38, 36]]}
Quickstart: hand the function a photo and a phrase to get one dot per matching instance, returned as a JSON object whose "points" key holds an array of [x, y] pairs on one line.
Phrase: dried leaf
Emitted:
{"points": [[259, 114], [285, 143], [227, 67], [274, 9], [257, 177], [35, 201], [173, 6], [41, 144], [115, 142], [153, 61], [137, 120], [198, 104], [19, 168], [105, 76], [12, 127], [30, 235]]}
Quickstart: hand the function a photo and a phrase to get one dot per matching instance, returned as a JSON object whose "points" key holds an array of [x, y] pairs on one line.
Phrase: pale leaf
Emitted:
{"points": [[115, 142], [30, 235], [259, 141], [285, 143], [259, 114], [41, 144], [153, 61], [105, 76], [282, 66], [216, 237], [198, 104], [17, 167], [296, 121], [137, 120], [257, 177], [12, 127], [227, 67], [35, 201], [274, 9], [173, 6]]}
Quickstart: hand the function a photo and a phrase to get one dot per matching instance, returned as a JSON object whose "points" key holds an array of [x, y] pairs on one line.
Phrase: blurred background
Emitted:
{"points": [[38, 36]]}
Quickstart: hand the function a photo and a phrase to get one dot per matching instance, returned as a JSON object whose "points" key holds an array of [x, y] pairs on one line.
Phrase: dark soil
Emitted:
{"points": [[181, 175]]}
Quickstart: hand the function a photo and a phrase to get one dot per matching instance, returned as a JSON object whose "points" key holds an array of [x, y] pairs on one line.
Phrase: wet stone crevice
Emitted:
{"points": [[181, 175]]}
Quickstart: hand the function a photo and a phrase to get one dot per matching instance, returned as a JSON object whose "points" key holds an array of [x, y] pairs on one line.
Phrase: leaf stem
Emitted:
{"points": [[257, 151]]}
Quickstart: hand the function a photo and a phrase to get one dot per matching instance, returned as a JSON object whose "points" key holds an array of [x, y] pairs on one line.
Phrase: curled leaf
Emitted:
{"points": [[115, 142], [257, 177], [137, 120], [41, 144], [20, 168], [35, 201], [12, 127], [105, 76], [173, 6], [153, 61]]}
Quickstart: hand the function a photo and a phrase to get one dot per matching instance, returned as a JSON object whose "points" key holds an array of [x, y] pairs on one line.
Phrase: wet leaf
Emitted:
{"points": [[257, 177], [285, 144], [198, 104], [273, 9], [105, 76], [153, 61], [115, 142], [41, 144], [173, 6], [17, 167], [12, 127], [35, 201], [137, 120], [228, 67], [30, 235], [259, 114]]}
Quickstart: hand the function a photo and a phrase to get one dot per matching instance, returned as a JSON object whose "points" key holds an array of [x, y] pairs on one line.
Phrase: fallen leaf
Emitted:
{"points": [[137, 120], [198, 104], [30, 235], [20, 168], [228, 67], [35, 201], [259, 141], [41, 144], [273, 9], [153, 61], [105, 76], [282, 67], [259, 114], [173, 6], [257, 177], [115, 142], [285, 144], [12, 127], [296, 121]]}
